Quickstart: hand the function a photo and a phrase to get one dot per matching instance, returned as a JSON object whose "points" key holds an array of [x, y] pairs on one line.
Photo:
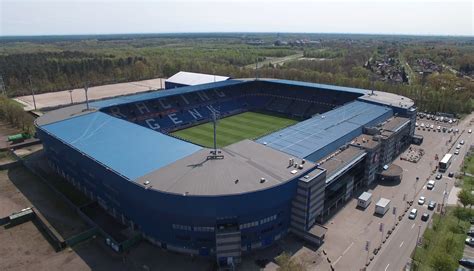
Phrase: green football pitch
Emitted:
{"points": [[248, 125]]}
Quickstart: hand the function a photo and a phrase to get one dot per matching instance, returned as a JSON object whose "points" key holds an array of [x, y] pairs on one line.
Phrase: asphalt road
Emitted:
{"points": [[396, 252]]}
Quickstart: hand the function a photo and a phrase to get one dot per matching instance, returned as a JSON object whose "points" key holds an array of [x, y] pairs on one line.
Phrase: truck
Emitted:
{"points": [[382, 206], [364, 200], [18, 138]]}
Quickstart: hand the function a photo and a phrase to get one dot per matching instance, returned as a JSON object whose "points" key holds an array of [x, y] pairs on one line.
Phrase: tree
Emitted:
{"points": [[286, 263], [441, 261], [465, 197]]}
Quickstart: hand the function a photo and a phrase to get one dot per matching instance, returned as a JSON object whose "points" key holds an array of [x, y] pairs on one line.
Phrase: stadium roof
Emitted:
{"points": [[320, 86], [163, 93], [245, 161], [389, 99], [192, 79], [126, 148], [321, 135]]}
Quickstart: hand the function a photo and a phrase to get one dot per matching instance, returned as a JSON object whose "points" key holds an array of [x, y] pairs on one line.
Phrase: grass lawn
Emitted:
{"points": [[248, 125], [443, 244]]}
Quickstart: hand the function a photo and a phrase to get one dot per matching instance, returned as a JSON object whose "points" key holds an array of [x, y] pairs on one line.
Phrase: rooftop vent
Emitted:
{"points": [[262, 180], [291, 162], [146, 182], [236, 181]]}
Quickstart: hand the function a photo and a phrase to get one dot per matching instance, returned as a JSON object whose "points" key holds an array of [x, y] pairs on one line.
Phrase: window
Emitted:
{"points": [[203, 229], [181, 227]]}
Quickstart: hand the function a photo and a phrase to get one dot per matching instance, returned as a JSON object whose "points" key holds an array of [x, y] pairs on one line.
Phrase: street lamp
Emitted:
{"points": [[70, 95], [444, 196], [32, 91], [416, 181], [418, 236], [86, 88]]}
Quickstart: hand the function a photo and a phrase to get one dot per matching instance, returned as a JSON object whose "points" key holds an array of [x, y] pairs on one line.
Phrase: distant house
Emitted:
{"points": [[182, 79]]}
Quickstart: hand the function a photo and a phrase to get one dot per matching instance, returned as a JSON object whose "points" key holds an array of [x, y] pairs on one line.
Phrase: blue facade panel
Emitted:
{"points": [[116, 143]]}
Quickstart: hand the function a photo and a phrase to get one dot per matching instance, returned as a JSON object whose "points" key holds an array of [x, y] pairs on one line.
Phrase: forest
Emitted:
{"points": [[439, 70]]}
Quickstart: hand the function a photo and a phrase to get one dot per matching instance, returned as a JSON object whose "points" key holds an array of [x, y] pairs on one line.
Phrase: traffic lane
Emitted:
{"points": [[394, 256], [397, 250]]}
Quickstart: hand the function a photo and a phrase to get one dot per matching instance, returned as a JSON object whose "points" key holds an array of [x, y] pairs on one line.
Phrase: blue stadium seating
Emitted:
{"points": [[172, 113]]}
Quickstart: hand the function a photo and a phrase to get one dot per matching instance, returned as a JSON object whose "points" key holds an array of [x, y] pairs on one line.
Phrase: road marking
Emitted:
{"points": [[347, 249], [387, 267], [401, 244], [337, 260], [412, 226]]}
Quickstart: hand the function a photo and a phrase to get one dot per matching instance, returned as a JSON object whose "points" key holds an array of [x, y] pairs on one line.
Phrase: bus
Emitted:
{"points": [[445, 162]]}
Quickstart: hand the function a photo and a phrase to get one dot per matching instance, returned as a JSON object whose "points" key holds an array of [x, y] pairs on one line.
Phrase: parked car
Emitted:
{"points": [[470, 232], [470, 241], [413, 213], [431, 184], [462, 142], [439, 176], [467, 262], [425, 217], [451, 174], [458, 146], [432, 205]]}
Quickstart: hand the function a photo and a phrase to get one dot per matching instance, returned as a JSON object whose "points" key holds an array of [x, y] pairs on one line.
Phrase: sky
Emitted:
{"points": [[70, 17]]}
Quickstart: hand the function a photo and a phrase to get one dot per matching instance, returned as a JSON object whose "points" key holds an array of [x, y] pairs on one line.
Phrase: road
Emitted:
{"points": [[397, 251], [275, 60]]}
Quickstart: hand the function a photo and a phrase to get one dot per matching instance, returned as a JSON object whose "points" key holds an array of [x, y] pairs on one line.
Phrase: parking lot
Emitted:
{"points": [[350, 229]]}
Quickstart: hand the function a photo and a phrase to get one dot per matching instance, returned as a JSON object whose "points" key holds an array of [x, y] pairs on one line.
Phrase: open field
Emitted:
{"points": [[232, 129], [61, 98], [275, 61]]}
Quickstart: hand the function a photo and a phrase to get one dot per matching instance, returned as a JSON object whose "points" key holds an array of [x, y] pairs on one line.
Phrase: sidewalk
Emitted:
{"points": [[453, 196]]}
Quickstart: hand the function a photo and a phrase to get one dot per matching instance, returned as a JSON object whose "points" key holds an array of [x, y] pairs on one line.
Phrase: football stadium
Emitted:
{"points": [[224, 168]]}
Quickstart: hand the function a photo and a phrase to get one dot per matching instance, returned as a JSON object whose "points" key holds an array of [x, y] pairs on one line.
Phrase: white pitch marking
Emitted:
{"points": [[387, 267], [401, 244], [337, 260], [412, 226]]}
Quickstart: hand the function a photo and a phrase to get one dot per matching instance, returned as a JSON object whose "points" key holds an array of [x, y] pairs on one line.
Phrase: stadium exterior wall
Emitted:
{"points": [[170, 85], [170, 220]]}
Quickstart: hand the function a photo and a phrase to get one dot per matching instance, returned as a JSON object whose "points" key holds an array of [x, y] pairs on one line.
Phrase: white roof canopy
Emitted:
{"points": [[191, 78]]}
